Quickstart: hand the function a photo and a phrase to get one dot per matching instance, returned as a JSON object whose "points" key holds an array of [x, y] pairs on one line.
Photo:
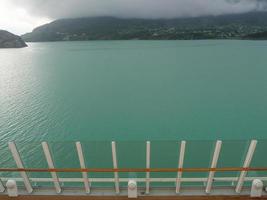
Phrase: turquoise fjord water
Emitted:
{"points": [[134, 90]]}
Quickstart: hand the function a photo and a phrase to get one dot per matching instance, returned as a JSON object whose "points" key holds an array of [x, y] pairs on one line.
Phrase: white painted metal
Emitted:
{"points": [[213, 165], [208, 180], [51, 166], [256, 188], [123, 180], [115, 166], [2, 188], [246, 164], [132, 189], [82, 164], [16, 156], [147, 166], [180, 165], [12, 189]]}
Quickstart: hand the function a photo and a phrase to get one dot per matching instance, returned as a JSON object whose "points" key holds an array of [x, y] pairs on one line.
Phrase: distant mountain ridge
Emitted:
{"points": [[239, 26]]}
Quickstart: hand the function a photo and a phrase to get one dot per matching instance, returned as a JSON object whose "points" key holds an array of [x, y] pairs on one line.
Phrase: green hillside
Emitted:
{"points": [[239, 26]]}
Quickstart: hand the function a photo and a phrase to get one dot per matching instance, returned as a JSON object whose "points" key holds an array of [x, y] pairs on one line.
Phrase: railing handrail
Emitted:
{"points": [[180, 168], [103, 170]]}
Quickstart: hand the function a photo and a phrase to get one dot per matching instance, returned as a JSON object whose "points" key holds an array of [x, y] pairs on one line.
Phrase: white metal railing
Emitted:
{"points": [[115, 166], [180, 165], [213, 165], [82, 164], [208, 181], [247, 162], [18, 161], [147, 166], [51, 166]]}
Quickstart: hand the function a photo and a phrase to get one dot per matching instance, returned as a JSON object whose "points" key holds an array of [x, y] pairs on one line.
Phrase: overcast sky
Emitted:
{"points": [[20, 16]]}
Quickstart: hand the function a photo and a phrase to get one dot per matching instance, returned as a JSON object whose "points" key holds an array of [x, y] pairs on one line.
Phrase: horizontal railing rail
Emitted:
{"points": [[110, 170], [237, 180]]}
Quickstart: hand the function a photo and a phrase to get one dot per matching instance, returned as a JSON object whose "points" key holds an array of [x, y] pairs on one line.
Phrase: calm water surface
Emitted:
{"points": [[134, 90]]}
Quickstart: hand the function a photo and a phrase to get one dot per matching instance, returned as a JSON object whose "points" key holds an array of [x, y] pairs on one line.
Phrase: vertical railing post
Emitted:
{"points": [[180, 166], [246, 164], [2, 188], [51, 166], [213, 165], [82, 164], [147, 166], [16, 156], [115, 166]]}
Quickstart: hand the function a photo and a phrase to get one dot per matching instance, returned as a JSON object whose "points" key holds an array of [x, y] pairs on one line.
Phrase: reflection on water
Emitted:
{"points": [[133, 90]]}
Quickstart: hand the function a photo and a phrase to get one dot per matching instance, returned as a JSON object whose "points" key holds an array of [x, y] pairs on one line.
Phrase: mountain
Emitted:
{"points": [[9, 40], [257, 36], [237, 26]]}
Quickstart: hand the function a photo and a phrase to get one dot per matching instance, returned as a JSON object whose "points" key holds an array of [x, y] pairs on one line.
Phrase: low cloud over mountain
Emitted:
{"points": [[137, 8]]}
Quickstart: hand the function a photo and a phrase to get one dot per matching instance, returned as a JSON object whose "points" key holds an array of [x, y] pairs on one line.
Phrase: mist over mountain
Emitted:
{"points": [[146, 9], [236, 26], [23, 16]]}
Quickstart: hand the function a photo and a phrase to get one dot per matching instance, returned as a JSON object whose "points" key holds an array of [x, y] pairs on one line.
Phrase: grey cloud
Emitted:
{"points": [[55, 9]]}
